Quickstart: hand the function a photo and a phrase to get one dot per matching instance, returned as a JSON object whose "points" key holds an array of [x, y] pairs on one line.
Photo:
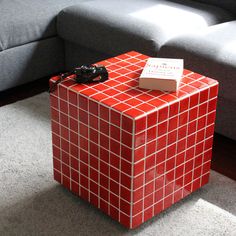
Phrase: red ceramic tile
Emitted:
{"points": [[88, 92], [138, 181], [204, 95], [133, 112], [110, 101], [74, 150], [74, 138], [93, 149], [157, 102], [83, 129], [114, 174], [83, 143], [127, 139], [161, 156], [114, 187], [93, 122], [99, 96], [201, 122], [189, 154], [127, 124], [54, 115], [122, 97], [193, 114], [181, 145], [163, 114], [140, 139], [150, 161], [182, 131], [114, 160], [174, 109], [171, 150], [104, 168], [121, 107], [56, 152], [194, 100], [140, 124], [62, 93], [213, 91], [115, 118], [192, 127], [104, 141], [161, 142], [212, 105], [162, 128], [83, 117], [137, 207], [104, 181], [94, 127], [126, 153], [93, 162], [138, 167], [211, 118], [160, 169], [168, 97], [93, 108], [151, 148], [63, 106], [104, 112], [56, 164], [184, 104], [64, 120], [139, 153], [115, 132], [104, 127], [93, 135], [173, 123], [75, 175], [115, 147], [65, 158], [83, 170], [65, 145], [151, 134]]}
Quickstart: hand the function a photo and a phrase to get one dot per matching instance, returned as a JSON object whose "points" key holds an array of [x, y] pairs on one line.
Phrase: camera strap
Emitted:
{"points": [[84, 74], [61, 78]]}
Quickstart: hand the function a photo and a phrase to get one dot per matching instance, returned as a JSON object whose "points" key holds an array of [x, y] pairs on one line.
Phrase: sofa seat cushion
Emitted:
{"points": [[211, 52], [113, 26], [24, 21], [229, 5]]}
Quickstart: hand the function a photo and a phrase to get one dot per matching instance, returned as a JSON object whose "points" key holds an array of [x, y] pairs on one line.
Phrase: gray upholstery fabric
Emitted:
{"points": [[31, 61], [76, 55], [211, 52], [115, 26], [229, 5], [226, 118], [24, 21]]}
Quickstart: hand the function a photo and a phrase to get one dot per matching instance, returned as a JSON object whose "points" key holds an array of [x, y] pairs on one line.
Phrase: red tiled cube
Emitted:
{"points": [[132, 152]]}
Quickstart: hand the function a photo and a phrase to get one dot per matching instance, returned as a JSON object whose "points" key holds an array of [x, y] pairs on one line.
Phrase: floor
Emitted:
{"points": [[224, 151]]}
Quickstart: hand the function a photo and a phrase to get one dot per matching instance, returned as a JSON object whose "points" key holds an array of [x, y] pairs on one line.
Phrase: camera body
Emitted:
{"points": [[90, 73]]}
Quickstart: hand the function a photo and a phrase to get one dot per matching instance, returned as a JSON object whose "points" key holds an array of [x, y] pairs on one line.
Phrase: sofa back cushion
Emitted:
{"points": [[229, 5]]}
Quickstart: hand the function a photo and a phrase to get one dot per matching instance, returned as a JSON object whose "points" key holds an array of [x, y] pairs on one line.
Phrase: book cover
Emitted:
{"points": [[162, 74]]}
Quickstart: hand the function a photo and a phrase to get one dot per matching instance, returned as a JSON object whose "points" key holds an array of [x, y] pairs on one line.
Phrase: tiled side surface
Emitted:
{"points": [[172, 153], [91, 154], [129, 151]]}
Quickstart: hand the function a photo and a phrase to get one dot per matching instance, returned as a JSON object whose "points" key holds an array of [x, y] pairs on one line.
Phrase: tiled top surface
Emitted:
{"points": [[121, 91]]}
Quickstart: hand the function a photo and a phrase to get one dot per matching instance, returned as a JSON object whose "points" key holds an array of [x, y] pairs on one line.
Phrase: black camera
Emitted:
{"points": [[90, 73]]}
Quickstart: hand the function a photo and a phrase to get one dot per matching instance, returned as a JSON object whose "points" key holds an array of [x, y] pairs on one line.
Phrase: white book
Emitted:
{"points": [[162, 74]]}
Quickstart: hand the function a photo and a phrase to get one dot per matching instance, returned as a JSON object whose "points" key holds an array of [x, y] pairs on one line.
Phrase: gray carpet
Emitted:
{"points": [[32, 203]]}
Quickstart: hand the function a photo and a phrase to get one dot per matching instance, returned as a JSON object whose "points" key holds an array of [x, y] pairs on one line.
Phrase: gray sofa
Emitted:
{"points": [[45, 37]]}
